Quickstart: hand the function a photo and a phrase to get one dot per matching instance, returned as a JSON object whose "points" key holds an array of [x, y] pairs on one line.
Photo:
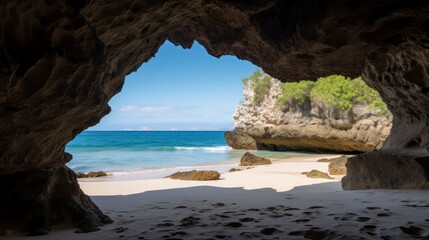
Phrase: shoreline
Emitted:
{"points": [[291, 167], [222, 167]]}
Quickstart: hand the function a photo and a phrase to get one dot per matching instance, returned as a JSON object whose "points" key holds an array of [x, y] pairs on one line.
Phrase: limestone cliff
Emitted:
{"points": [[310, 127]]}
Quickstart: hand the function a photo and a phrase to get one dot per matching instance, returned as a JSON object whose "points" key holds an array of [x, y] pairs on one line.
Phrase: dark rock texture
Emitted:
{"points": [[61, 62], [34, 200], [388, 169], [196, 175], [249, 159]]}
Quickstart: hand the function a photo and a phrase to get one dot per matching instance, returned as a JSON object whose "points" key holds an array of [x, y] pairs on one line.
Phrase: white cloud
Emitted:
{"points": [[145, 108], [174, 129], [145, 128]]}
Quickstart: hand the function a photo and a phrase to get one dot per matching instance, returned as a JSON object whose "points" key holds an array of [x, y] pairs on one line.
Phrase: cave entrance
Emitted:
{"points": [[170, 114], [173, 112]]}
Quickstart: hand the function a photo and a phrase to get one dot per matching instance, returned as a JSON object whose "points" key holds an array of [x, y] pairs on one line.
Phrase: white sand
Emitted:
{"points": [[275, 199]]}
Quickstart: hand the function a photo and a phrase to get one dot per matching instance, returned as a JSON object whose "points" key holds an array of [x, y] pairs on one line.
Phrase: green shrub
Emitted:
{"points": [[334, 91], [261, 84], [261, 87], [298, 92]]}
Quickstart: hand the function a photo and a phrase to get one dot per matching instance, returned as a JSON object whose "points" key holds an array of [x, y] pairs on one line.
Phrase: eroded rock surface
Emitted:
{"points": [[91, 174], [317, 174], [34, 200], [196, 175], [309, 127], [249, 159], [240, 140], [388, 169], [62, 61], [338, 166]]}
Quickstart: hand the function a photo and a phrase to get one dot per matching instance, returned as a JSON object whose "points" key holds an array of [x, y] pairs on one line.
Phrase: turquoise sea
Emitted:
{"points": [[132, 151]]}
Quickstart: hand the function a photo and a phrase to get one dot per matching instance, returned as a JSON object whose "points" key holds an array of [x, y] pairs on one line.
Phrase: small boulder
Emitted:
{"points": [[91, 174], [249, 159], [325, 160], [338, 166], [329, 160], [196, 175], [317, 174], [235, 169]]}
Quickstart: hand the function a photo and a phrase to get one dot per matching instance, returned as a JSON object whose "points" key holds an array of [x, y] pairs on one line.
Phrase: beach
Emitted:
{"points": [[265, 202]]}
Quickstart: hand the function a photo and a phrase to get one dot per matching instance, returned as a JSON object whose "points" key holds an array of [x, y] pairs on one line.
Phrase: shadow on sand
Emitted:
{"points": [[319, 211]]}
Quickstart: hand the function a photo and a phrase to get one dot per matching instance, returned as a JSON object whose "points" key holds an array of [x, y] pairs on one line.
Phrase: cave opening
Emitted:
{"points": [[170, 114], [61, 63]]}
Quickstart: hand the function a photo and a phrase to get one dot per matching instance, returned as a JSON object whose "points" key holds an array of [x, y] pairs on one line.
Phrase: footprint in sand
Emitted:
{"points": [[308, 213], [188, 221], [315, 207], [296, 233], [178, 207], [179, 233], [120, 229], [270, 208], [249, 235], [412, 230], [269, 231], [229, 212], [312, 233], [165, 224], [369, 229], [304, 220], [253, 210], [276, 216], [385, 214], [247, 219], [316, 233], [373, 208], [291, 209], [363, 219], [233, 225], [222, 236], [218, 205]]}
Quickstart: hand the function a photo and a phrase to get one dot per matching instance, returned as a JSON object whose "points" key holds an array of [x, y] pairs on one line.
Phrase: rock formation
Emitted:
{"points": [[196, 175], [317, 174], [240, 140], [249, 159], [310, 127], [405, 170], [338, 166], [62, 61], [91, 174]]}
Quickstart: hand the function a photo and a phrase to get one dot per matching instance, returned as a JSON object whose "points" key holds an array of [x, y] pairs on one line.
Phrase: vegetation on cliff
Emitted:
{"points": [[261, 83], [334, 91]]}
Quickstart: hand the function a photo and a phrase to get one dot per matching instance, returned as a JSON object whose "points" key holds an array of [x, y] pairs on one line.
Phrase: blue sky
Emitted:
{"points": [[179, 89]]}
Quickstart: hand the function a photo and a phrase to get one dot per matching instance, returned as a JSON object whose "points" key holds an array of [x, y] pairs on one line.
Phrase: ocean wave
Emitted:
{"points": [[206, 149]]}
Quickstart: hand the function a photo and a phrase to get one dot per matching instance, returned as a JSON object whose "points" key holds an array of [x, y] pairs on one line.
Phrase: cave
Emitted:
{"points": [[61, 62]]}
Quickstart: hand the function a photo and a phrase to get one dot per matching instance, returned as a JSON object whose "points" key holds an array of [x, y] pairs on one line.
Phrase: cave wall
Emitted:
{"points": [[61, 61]]}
